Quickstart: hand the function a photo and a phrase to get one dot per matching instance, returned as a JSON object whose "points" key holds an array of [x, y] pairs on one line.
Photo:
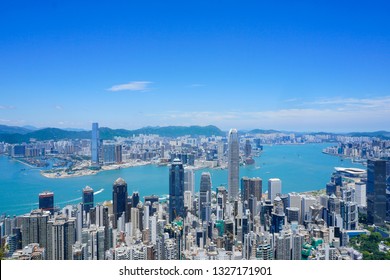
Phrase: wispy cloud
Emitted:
{"points": [[13, 122], [197, 85], [58, 107], [299, 119], [132, 86], [6, 107], [382, 102], [291, 100]]}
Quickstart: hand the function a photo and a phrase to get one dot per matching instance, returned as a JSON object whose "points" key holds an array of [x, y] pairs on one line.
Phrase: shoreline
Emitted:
{"points": [[25, 163], [85, 171]]}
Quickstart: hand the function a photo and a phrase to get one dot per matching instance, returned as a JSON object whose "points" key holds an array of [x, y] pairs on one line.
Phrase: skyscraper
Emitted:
{"points": [[360, 194], [34, 228], [94, 238], [251, 186], [176, 190], [153, 199], [61, 233], [95, 145], [102, 220], [109, 154], [189, 180], [274, 188], [46, 201], [87, 198], [134, 199], [248, 148], [119, 199], [377, 176], [118, 153], [205, 196], [233, 163]]}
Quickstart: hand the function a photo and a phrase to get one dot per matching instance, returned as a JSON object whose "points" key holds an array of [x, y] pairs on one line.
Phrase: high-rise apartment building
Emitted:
{"points": [[34, 228], [306, 202], [109, 156], [233, 164], [61, 236], [176, 190], [251, 186], [94, 237], [189, 180], [119, 199]]}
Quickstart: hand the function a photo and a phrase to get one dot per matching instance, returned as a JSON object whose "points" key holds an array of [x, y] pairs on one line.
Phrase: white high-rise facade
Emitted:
{"points": [[189, 180], [233, 164], [274, 188], [360, 194]]}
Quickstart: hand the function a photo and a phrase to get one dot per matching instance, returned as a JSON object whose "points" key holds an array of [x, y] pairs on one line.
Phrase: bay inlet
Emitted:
{"points": [[301, 168]]}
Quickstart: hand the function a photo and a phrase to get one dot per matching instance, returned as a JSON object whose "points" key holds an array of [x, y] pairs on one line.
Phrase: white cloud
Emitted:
{"points": [[132, 86], [197, 85], [382, 102], [6, 107], [13, 122], [291, 100]]}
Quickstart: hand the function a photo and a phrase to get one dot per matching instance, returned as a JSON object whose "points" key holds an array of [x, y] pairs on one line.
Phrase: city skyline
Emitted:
{"points": [[203, 216], [292, 66]]}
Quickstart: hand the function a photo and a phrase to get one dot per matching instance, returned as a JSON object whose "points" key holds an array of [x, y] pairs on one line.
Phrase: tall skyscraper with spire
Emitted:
{"points": [[176, 190], [119, 199], [95, 144], [233, 163], [205, 196]]}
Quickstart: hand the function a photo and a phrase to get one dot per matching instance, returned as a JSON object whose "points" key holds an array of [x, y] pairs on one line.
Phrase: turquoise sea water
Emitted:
{"points": [[300, 167]]}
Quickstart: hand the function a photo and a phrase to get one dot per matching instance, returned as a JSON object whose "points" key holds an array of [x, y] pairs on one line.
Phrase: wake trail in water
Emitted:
{"points": [[99, 191], [71, 200], [79, 198]]}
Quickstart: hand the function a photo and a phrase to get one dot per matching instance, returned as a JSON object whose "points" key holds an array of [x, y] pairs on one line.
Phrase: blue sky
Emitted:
{"points": [[307, 66]]}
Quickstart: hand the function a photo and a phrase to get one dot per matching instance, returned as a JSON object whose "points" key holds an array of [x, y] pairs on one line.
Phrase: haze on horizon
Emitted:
{"points": [[287, 66]]}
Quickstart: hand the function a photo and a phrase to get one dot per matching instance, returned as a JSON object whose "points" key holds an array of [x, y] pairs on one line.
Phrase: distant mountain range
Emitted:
{"points": [[263, 131], [16, 134], [380, 134], [5, 129]]}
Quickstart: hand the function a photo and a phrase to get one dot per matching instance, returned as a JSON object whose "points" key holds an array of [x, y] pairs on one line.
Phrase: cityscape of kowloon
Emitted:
{"points": [[247, 218]]}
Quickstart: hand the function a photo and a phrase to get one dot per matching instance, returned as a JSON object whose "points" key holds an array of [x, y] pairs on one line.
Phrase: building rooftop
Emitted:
{"points": [[119, 181], [351, 171]]}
